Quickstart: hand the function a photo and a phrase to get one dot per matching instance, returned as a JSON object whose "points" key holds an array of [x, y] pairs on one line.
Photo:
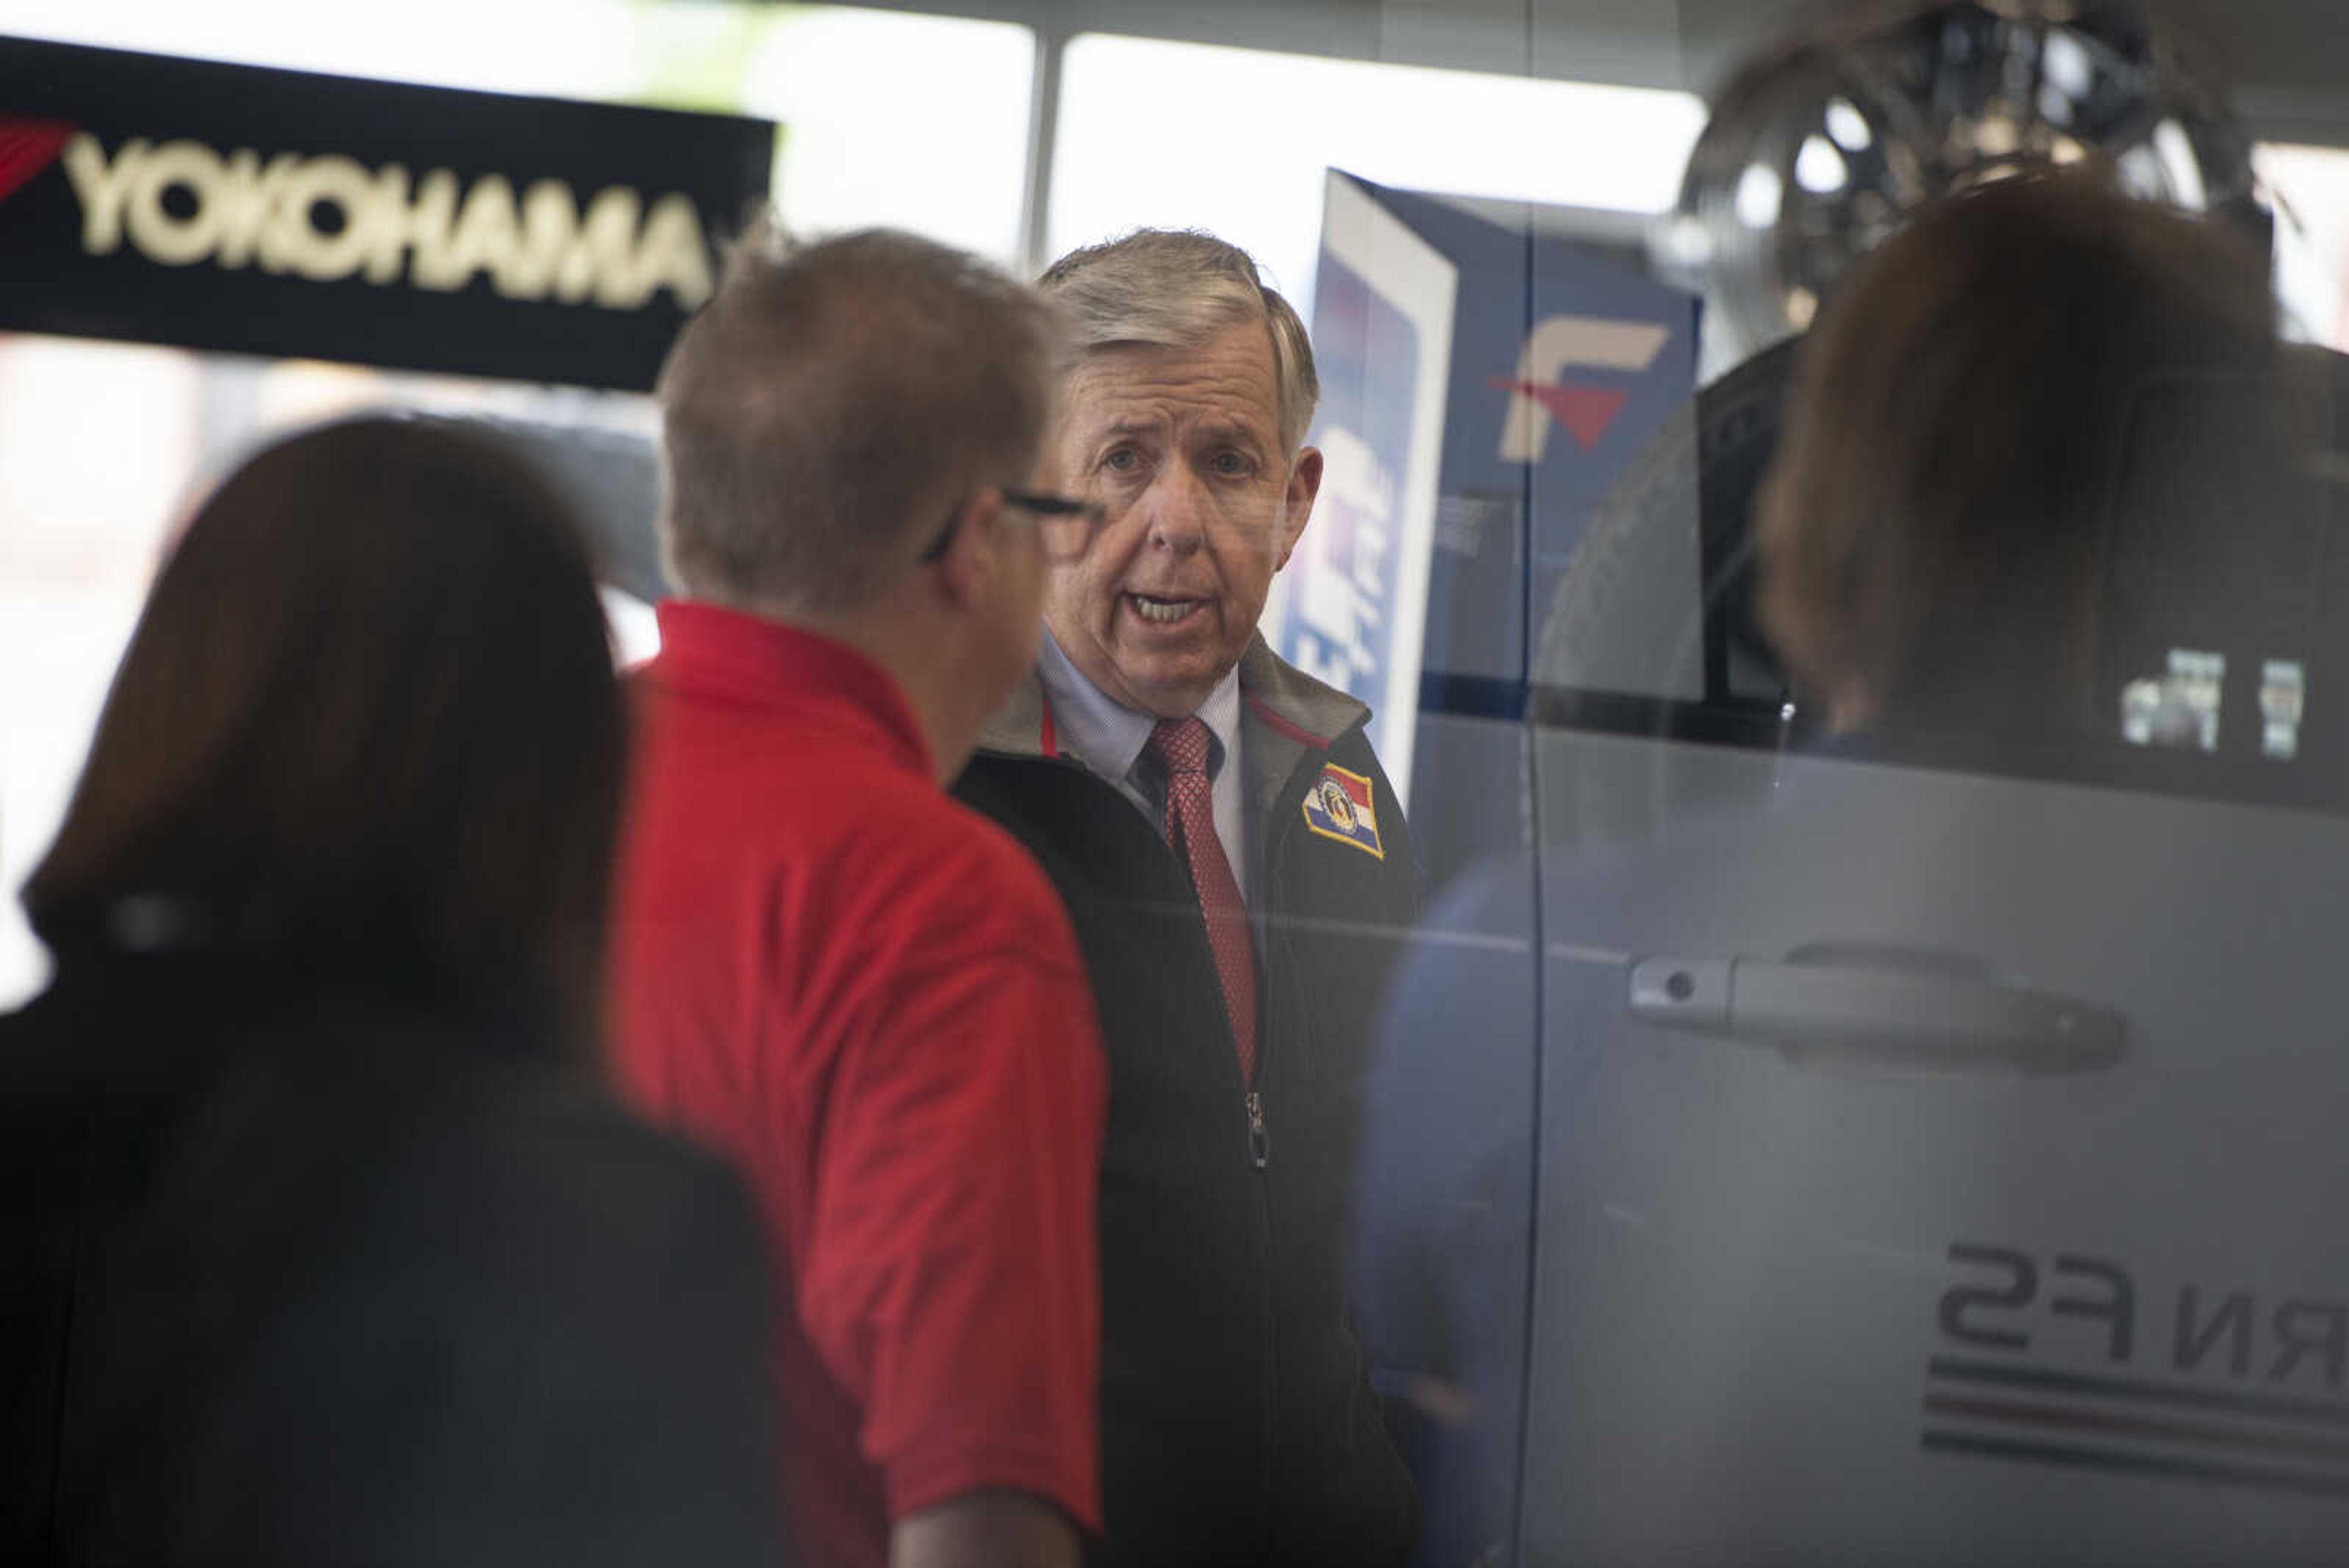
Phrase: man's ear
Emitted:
{"points": [[967, 572], [1297, 506]]}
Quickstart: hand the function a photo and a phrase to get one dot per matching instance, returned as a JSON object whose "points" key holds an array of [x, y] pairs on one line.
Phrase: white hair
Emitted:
{"points": [[1177, 288]]}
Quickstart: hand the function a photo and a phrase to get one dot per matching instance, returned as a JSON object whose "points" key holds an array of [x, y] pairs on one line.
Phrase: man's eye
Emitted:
{"points": [[1122, 460], [1233, 463]]}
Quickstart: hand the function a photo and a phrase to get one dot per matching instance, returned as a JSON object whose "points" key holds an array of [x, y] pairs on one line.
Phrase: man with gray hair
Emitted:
{"points": [[1239, 877], [862, 992]]}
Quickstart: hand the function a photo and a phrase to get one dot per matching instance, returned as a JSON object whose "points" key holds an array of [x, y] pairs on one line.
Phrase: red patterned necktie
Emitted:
{"points": [[1180, 747]]}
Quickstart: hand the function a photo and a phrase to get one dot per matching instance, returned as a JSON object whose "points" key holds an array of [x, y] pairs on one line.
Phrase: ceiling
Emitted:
{"points": [[2289, 58]]}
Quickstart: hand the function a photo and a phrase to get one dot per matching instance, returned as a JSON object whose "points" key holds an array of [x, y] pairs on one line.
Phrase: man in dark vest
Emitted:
{"points": [[1238, 869]]}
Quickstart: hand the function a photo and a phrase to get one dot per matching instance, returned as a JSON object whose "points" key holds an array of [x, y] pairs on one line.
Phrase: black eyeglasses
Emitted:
{"points": [[1064, 526]]}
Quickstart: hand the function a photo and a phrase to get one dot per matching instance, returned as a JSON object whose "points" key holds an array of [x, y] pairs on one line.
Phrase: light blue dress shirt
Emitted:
{"points": [[1108, 736]]}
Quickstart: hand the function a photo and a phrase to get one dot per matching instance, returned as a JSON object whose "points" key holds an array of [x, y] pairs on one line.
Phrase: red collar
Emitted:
{"points": [[749, 659]]}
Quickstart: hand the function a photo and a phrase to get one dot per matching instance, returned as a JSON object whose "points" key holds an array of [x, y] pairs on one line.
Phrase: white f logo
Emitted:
{"points": [[1535, 402]]}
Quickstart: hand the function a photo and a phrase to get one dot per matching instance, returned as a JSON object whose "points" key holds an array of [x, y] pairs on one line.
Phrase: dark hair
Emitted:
{"points": [[1972, 418], [367, 724], [824, 394]]}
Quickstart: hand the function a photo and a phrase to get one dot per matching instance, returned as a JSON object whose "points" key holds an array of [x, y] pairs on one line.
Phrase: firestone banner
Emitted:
{"points": [[1564, 366], [1483, 388], [1348, 608], [287, 214]]}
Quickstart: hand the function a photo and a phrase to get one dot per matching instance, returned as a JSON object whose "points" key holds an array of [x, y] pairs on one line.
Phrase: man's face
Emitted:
{"points": [[1183, 449]]}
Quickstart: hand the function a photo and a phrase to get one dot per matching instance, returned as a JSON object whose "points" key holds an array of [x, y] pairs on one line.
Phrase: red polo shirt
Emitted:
{"points": [[870, 997]]}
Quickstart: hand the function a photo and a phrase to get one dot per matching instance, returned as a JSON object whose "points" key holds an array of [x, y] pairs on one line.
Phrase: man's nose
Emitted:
{"points": [[1176, 508]]}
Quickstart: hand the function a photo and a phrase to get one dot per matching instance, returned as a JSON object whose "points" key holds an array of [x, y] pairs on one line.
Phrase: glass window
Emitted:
{"points": [[864, 97], [579, 49], [1134, 148], [2310, 189], [860, 93], [85, 516]]}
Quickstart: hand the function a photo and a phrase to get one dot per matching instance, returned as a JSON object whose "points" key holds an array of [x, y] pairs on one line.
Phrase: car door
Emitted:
{"points": [[1936, 1145], [1940, 1168]]}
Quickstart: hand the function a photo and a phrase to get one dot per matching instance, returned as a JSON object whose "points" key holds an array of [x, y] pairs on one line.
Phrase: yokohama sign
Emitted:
{"points": [[327, 219], [275, 212]]}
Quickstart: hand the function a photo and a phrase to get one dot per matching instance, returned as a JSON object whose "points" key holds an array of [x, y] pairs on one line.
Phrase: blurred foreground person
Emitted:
{"points": [[2038, 383], [322, 1244], [859, 990], [1241, 876]]}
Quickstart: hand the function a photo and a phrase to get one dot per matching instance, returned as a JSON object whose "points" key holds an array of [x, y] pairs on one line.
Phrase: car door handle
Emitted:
{"points": [[1860, 1005]]}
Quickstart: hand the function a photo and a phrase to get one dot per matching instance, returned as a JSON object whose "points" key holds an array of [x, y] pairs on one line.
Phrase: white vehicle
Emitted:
{"points": [[1932, 1152]]}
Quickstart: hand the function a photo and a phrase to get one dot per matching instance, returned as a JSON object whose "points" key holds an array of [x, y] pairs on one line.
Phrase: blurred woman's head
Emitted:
{"points": [[1933, 533], [368, 726]]}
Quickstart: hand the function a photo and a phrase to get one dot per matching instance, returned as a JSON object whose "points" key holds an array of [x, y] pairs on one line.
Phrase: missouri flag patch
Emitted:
{"points": [[1339, 807]]}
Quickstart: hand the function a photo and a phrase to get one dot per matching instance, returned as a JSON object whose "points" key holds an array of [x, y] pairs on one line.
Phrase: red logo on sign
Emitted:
{"points": [[1585, 412], [27, 147]]}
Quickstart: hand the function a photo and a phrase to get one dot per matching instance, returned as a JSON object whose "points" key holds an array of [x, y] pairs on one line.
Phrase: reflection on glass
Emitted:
{"points": [[2284, 693], [1759, 194], [1818, 166], [2180, 709], [1848, 126]]}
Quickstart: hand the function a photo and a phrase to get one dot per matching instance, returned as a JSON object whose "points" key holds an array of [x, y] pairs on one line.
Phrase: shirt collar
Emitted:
{"points": [[1106, 734], [1222, 712], [751, 660]]}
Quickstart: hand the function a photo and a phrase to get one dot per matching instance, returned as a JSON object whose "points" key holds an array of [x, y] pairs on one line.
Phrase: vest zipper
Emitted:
{"points": [[1269, 891], [1270, 998]]}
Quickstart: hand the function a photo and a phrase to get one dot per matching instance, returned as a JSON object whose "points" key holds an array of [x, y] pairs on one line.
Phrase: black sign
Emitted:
{"points": [[282, 214]]}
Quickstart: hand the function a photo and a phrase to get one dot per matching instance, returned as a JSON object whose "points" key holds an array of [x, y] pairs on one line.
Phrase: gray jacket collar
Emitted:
{"points": [[1287, 715], [1017, 728]]}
